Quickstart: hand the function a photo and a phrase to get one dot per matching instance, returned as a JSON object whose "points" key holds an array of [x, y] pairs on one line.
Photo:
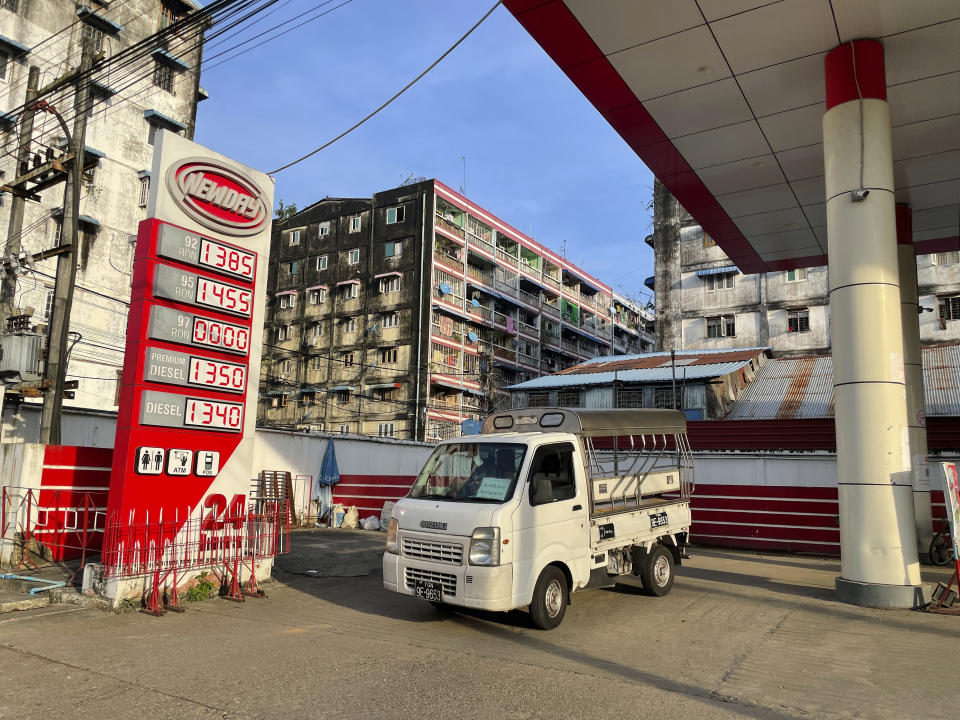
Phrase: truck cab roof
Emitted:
{"points": [[587, 423]]}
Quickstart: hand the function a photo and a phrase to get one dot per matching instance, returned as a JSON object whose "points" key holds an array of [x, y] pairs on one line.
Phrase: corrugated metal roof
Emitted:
{"points": [[640, 375], [792, 388]]}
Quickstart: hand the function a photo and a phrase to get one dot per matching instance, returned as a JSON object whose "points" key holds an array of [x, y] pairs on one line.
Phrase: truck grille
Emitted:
{"points": [[431, 550], [446, 580]]}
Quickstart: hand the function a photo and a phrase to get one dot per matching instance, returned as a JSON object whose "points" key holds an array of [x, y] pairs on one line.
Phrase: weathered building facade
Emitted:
{"points": [[405, 314], [126, 109], [704, 301]]}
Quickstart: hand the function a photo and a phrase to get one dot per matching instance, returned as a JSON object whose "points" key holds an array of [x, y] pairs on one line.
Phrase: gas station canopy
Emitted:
{"points": [[724, 100]]}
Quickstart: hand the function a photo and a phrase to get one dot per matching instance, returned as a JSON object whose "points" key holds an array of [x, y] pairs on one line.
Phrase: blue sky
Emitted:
{"points": [[538, 154]]}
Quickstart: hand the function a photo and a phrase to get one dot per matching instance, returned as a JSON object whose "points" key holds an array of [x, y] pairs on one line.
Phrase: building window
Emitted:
{"points": [[393, 249], [4, 61], [355, 223], [664, 398], [345, 429], [94, 35], [288, 300], [163, 76], [316, 331], [283, 333], [317, 297], [286, 366], [951, 257], [316, 362], [347, 359], [798, 275], [293, 267], [294, 237], [388, 356], [389, 285], [385, 430], [10, 5], [721, 326], [322, 262], [568, 398], [351, 291], [341, 397], [144, 190], [395, 215], [350, 326], [539, 400], [324, 229], [278, 401], [353, 256], [391, 320], [708, 241], [949, 306], [798, 320], [390, 394], [718, 282]]}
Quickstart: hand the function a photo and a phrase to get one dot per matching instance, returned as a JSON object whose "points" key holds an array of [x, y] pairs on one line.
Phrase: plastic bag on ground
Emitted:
{"points": [[351, 518], [337, 516], [370, 523]]}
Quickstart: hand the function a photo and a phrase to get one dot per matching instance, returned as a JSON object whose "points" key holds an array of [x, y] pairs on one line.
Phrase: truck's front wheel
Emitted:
{"points": [[549, 598], [657, 571]]}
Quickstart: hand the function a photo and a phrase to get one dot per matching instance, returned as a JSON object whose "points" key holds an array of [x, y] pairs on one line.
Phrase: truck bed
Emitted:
{"points": [[652, 518], [630, 504]]}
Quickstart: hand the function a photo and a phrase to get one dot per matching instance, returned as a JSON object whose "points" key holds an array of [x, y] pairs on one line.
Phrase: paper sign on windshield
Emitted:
{"points": [[493, 488]]}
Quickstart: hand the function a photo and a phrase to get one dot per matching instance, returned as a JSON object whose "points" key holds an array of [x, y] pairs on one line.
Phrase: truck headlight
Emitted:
{"points": [[485, 546], [392, 536]]}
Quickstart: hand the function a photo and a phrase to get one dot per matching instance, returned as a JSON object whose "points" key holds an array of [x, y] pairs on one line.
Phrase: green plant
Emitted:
{"points": [[202, 590]]}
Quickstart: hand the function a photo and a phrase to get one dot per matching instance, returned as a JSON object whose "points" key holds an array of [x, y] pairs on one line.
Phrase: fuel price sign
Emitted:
{"points": [[187, 328], [180, 411], [192, 289], [195, 249], [176, 368]]}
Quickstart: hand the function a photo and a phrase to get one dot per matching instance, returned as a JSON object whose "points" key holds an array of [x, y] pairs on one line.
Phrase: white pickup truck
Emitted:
{"points": [[543, 503]]}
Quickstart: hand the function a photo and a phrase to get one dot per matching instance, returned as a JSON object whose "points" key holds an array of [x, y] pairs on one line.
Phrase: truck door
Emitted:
{"points": [[552, 517]]}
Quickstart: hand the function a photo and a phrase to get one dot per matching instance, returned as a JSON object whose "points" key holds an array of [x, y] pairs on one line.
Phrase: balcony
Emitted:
{"points": [[480, 231], [550, 310], [479, 275], [499, 318], [529, 330], [570, 345], [481, 311], [504, 353], [551, 281], [530, 298], [525, 359], [507, 257], [551, 340], [450, 227]]}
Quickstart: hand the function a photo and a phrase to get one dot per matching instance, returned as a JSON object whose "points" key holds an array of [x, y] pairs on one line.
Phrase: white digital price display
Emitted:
{"points": [[195, 249], [189, 329], [217, 374], [193, 289], [214, 414]]}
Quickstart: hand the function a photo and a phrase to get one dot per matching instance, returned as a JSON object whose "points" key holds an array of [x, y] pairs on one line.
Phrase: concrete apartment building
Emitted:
{"points": [[160, 92], [405, 314], [704, 302]]}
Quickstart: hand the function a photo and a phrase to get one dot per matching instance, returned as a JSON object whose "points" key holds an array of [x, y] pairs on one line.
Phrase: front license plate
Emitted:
{"points": [[428, 590]]}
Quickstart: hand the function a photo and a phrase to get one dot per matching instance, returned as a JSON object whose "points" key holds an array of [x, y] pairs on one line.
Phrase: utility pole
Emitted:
{"points": [[8, 288], [55, 369]]}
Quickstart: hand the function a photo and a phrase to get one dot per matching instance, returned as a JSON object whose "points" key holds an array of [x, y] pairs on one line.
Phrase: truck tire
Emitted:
{"points": [[657, 572], [550, 598]]}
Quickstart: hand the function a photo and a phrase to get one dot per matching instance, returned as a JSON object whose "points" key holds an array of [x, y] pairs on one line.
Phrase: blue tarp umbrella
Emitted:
{"points": [[328, 477]]}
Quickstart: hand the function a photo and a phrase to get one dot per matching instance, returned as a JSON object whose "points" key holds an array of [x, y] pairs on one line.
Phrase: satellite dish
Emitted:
{"points": [[444, 288], [475, 302], [470, 427], [473, 337]]}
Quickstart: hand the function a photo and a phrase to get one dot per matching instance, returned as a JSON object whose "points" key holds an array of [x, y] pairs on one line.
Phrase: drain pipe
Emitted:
{"points": [[50, 584]]}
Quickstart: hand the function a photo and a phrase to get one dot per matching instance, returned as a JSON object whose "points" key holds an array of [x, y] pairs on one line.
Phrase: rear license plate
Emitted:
{"points": [[658, 520], [428, 590]]}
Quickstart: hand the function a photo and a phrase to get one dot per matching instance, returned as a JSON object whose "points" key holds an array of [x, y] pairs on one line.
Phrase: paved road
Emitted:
{"points": [[740, 636]]}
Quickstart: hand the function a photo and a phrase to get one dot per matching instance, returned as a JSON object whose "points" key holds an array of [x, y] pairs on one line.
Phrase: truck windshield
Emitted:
{"points": [[470, 472]]}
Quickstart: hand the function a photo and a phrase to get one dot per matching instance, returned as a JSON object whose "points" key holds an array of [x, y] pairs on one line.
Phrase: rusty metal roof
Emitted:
{"points": [[792, 388], [646, 361]]}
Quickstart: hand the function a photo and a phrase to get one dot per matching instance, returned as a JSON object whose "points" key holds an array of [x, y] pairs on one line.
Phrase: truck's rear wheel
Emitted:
{"points": [[550, 598], [657, 572]]}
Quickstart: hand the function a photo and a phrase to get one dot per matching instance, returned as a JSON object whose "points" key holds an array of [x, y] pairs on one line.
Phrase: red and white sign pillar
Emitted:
{"points": [[185, 429], [878, 543]]}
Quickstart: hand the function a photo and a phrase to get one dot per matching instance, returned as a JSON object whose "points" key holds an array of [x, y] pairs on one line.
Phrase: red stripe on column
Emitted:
{"points": [[843, 83], [73, 456]]}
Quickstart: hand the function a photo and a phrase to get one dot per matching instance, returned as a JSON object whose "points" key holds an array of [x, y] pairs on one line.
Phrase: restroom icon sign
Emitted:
{"points": [[150, 460]]}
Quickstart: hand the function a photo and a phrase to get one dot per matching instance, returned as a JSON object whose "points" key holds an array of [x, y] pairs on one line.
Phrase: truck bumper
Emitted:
{"points": [[485, 588]]}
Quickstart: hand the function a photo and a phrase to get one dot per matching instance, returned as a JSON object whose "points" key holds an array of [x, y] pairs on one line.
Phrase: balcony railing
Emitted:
{"points": [[550, 310], [481, 232], [480, 275], [499, 319], [530, 298], [527, 359], [481, 310], [553, 340], [530, 330], [505, 353], [449, 226], [570, 345], [551, 281], [507, 257]]}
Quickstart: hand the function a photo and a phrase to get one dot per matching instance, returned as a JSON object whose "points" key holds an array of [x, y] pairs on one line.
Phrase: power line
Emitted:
{"points": [[394, 97]]}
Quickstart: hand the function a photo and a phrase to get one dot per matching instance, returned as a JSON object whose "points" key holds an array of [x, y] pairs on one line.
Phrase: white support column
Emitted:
{"points": [[879, 565], [913, 369]]}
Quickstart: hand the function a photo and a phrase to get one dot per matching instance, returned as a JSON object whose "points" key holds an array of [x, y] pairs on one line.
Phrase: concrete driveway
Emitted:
{"points": [[742, 635]]}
